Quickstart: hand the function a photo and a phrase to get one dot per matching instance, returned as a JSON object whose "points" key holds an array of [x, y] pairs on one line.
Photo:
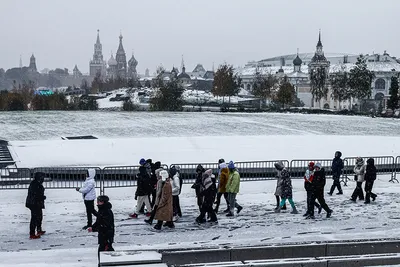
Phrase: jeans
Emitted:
{"points": [[358, 192], [36, 220], [143, 200], [89, 204], [368, 191], [336, 183], [232, 202], [318, 194], [219, 195], [176, 206], [311, 202]]}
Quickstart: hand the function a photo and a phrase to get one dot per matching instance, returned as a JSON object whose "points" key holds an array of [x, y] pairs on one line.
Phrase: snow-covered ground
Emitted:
{"points": [[257, 224], [190, 137], [45, 125], [200, 149]]}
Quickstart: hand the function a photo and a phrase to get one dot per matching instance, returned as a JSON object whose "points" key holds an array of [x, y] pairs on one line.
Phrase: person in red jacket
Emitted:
{"points": [[308, 178]]}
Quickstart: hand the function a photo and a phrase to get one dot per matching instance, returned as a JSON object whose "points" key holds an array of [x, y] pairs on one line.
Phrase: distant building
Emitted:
{"points": [[97, 65], [32, 64], [298, 67], [120, 57], [76, 72], [132, 64]]}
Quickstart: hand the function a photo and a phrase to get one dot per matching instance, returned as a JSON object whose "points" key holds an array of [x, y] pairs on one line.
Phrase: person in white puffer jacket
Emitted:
{"points": [[359, 171], [88, 191], [176, 190]]}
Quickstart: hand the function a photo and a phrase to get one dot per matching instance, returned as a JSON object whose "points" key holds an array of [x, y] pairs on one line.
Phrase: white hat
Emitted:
{"points": [[164, 175]]}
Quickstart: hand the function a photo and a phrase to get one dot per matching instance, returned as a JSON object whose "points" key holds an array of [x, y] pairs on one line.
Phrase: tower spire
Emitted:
{"points": [[98, 37], [319, 39], [182, 64]]}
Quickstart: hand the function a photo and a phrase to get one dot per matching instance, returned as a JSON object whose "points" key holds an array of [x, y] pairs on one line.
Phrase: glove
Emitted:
{"points": [[77, 189], [90, 229], [135, 197]]}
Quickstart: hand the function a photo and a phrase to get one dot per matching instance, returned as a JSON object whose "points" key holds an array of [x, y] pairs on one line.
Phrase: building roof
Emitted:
{"points": [[112, 61], [199, 68], [183, 75], [297, 61], [372, 66]]}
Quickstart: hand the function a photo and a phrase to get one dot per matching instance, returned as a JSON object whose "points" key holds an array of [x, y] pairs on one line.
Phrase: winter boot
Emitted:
{"points": [[148, 221], [157, 226], [134, 216], [310, 217], [319, 209], [84, 227], [284, 207], [305, 214], [227, 210], [148, 214], [41, 232], [239, 209], [294, 211], [230, 214], [340, 193], [278, 210], [199, 220], [170, 225], [34, 236], [329, 214]]}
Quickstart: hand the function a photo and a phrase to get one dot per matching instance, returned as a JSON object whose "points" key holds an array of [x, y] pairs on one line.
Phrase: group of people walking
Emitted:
{"points": [[157, 194]]}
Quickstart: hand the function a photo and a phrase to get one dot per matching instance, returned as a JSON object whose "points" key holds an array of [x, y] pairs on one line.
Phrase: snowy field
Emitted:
{"points": [[45, 125], [257, 224], [186, 138]]}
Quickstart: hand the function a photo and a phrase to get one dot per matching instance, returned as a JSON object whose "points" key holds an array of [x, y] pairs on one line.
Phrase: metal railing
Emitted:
{"points": [[396, 169], [125, 176]]}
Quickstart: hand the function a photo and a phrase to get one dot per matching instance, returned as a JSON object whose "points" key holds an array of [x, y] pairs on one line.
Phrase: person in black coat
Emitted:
{"points": [[208, 191], [308, 179], [337, 167], [318, 184], [143, 189], [197, 185], [370, 177], [153, 182], [104, 225], [35, 202]]}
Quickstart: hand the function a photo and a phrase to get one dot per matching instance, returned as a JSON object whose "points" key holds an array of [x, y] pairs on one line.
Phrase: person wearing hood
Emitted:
{"points": [[337, 167], [223, 176], [318, 186], [370, 177], [208, 191], [88, 191], [359, 170], [197, 185], [159, 186], [176, 183], [308, 186], [285, 187], [153, 181], [148, 164], [232, 188], [164, 212], [35, 202], [104, 225], [278, 190], [143, 189]]}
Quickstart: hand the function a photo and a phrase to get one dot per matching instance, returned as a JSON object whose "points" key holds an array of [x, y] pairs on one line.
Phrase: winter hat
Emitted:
{"points": [[370, 161], [359, 161], [222, 165], [164, 175], [142, 161], [221, 161], [103, 198], [231, 165], [200, 168], [318, 165], [39, 175], [279, 165], [338, 154], [311, 164]]}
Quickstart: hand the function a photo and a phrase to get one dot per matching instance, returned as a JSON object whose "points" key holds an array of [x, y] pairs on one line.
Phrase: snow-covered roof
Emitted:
{"points": [[250, 71], [297, 74], [306, 56], [373, 66]]}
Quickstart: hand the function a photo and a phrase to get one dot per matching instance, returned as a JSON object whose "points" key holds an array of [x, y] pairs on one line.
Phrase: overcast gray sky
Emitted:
{"points": [[62, 33]]}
